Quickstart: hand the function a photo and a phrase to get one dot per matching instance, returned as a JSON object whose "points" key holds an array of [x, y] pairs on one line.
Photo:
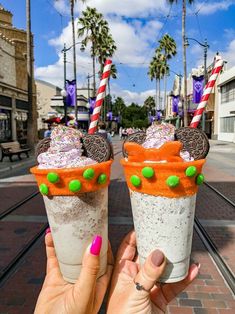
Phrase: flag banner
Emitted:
{"points": [[175, 104], [71, 93], [198, 83], [110, 116], [92, 104]]}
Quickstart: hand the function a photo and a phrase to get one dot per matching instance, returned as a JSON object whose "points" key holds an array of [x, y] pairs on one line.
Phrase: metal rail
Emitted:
{"points": [[211, 247], [14, 263], [213, 251], [17, 205], [220, 194]]}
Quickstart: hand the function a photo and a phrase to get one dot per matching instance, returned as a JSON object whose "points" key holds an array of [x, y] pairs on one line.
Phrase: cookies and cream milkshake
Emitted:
{"points": [[75, 193], [163, 181]]}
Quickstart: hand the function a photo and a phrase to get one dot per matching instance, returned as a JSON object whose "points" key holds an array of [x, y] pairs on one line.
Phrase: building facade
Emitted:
{"points": [[226, 106], [13, 80]]}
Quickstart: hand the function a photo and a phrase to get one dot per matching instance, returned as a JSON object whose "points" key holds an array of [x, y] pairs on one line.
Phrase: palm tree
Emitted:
{"points": [[95, 28], [168, 47], [184, 55], [149, 104]]}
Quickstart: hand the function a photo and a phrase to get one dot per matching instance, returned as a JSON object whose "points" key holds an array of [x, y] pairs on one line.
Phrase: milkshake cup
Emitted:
{"points": [[75, 193], [163, 190], [76, 216]]}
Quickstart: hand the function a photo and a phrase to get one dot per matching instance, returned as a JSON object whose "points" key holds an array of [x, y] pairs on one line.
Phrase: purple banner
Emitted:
{"points": [[198, 83], [71, 93], [110, 116], [175, 104], [92, 104]]}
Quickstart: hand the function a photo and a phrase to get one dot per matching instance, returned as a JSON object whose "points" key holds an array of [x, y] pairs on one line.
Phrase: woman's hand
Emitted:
{"points": [[83, 297], [125, 297]]}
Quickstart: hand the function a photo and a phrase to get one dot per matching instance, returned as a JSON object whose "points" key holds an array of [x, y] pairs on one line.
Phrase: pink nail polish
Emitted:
{"points": [[96, 245], [48, 230]]}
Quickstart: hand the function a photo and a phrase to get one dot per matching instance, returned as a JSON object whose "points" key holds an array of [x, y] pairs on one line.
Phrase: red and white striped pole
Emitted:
{"points": [[207, 91], [100, 97]]}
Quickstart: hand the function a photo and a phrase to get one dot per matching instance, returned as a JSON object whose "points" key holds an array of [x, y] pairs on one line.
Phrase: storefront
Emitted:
{"points": [[5, 125]]}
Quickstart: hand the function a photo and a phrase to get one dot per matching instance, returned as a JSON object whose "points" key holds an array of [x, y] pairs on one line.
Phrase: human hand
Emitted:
{"points": [[124, 296], [83, 297]]}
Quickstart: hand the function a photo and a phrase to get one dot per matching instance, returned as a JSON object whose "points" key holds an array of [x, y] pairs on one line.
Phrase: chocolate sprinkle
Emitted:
{"points": [[138, 137], [42, 146], [194, 141]]}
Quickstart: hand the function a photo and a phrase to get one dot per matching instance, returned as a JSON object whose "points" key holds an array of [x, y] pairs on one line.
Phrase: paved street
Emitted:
{"points": [[208, 294]]}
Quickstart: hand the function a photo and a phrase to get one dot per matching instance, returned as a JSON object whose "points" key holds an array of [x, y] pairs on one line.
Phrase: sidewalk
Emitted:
{"points": [[6, 164]]}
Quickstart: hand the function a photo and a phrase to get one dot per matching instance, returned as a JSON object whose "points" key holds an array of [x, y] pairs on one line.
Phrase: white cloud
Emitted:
{"points": [[206, 8], [130, 96]]}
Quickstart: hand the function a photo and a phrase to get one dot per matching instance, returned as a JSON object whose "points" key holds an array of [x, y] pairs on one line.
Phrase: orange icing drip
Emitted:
{"points": [[69, 174], [174, 166]]}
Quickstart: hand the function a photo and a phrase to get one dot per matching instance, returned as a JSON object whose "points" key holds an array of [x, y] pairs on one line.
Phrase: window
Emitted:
{"points": [[227, 124], [228, 92]]}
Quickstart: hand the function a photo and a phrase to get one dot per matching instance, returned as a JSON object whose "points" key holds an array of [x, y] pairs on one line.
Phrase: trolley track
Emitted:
{"points": [[211, 247]]}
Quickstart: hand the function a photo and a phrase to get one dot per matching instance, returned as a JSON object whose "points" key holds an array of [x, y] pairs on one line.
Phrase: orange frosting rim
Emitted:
{"points": [[100, 179]]}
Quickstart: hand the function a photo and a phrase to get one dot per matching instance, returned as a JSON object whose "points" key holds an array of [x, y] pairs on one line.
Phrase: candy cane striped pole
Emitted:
{"points": [[206, 93], [100, 97]]}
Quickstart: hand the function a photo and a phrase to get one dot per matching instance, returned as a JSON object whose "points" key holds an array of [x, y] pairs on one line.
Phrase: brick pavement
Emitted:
{"points": [[208, 294]]}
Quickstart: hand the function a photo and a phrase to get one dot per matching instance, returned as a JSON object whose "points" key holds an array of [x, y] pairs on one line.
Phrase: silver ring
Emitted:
{"points": [[139, 287]]}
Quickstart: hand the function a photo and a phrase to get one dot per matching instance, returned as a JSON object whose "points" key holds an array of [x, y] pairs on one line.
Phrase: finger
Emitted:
{"points": [[84, 287], [127, 248], [52, 261], [151, 270], [170, 290], [103, 281]]}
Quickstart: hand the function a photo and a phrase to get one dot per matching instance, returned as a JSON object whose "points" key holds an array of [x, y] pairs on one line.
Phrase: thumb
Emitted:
{"points": [[90, 268], [151, 271]]}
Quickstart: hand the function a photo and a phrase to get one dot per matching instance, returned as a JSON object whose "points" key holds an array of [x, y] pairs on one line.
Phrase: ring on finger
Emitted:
{"points": [[139, 287]]}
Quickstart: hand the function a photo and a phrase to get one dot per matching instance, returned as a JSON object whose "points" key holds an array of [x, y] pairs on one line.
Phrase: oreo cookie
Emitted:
{"points": [[138, 137], [97, 147], [194, 141], [42, 146]]}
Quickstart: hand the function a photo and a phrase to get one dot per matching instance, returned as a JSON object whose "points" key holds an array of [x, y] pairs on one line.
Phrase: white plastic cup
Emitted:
{"points": [[74, 220]]}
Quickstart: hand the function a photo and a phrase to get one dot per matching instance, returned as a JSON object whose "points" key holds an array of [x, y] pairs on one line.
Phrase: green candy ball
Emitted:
{"points": [[102, 178], [200, 179], [135, 180], [148, 172], [75, 186], [191, 171], [43, 188], [89, 174], [53, 177], [173, 181]]}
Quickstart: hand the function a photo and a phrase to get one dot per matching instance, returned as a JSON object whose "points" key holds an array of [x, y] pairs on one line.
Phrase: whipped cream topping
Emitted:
{"points": [[158, 134], [65, 150]]}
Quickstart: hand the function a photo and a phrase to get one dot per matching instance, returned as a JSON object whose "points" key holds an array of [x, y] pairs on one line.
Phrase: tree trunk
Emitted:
{"points": [[93, 61], [159, 94], [74, 56], [32, 115], [165, 81], [156, 98], [184, 63]]}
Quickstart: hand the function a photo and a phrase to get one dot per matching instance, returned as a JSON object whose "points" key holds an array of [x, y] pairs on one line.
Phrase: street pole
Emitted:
{"points": [[64, 98], [88, 82], [205, 82]]}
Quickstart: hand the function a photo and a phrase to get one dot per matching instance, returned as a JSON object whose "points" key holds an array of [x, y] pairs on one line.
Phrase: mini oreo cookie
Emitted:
{"points": [[137, 137], [194, 141], [97, 147], [42, 146]]}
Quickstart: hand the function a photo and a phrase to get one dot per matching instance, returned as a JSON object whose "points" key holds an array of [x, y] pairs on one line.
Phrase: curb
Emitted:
{"points": [[19, 165]]}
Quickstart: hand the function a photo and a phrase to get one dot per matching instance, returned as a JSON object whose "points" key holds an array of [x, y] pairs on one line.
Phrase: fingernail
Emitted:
{"points": [[96, 245], [48, 230], [198, 265], [157, 258]]}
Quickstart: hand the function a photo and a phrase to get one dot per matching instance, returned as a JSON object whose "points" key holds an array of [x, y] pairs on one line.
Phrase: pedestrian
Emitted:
{"points": [[133, 289], [102, 131], [47, 133]]}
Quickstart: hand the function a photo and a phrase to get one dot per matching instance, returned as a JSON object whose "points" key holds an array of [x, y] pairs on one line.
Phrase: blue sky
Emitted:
{"points": [[136, 26]]}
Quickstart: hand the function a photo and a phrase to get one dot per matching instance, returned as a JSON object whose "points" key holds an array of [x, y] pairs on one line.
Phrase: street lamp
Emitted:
{"points": [[64, 51], [205, 46]]}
